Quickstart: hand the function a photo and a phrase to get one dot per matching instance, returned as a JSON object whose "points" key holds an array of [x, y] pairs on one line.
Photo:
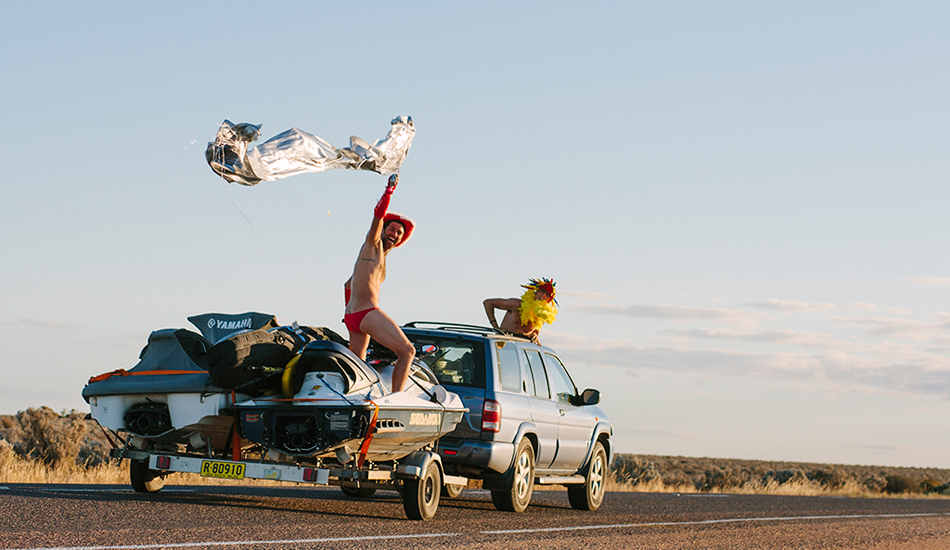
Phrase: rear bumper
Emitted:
{"points": [[475, 458]]}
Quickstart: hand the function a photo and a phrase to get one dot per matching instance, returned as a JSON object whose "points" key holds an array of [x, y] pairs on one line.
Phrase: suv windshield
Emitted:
{"points": [[453, 360]]}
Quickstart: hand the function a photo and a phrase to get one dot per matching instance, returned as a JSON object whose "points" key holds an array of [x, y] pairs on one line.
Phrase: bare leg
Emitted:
{"points": [[358, 344], [381, 327]]}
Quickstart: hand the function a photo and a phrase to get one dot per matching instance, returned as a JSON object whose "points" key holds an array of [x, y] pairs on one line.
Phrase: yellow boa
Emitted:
{"points": [[536, 312]]}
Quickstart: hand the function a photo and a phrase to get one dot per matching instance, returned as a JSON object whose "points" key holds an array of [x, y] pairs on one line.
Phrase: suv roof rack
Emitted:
{"points": [[459, 327]]}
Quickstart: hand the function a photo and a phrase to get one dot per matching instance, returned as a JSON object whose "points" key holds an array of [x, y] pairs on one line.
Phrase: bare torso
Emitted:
{"points": [[511, 322], [368, 275]]}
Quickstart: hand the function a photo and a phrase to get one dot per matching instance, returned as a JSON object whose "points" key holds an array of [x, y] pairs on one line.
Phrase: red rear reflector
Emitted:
{"points": [[491, 416], [450, 453], [309, 474], [163, 462]]}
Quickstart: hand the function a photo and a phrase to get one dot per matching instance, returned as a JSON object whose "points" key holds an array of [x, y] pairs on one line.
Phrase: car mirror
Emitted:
{"points": [[587, 397], [428, 349]]}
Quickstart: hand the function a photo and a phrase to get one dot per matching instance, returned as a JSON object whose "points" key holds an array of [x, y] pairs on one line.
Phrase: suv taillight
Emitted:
{"points": [[491, 416]]}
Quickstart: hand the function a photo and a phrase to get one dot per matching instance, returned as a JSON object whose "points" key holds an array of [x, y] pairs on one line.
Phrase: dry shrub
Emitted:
{"points": [[655, 473], [901, 484], [18, 469], [44, 435], [779, 477], [875, 483], [630, 469]]}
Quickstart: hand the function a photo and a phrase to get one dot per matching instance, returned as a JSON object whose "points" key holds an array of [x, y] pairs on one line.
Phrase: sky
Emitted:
{"points": [[743, 203]]}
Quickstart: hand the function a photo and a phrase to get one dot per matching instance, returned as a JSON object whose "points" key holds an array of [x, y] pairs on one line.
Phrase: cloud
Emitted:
{"points": [[889, 327], [583, 295], [40, 323], [884, 448], [777, 337], [779, 305], [929, 281], [862, 306], [880, 367], [673, 313], [662, 434]]}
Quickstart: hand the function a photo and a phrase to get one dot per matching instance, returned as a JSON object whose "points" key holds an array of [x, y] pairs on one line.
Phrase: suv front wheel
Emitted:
{"points": [[589, 495], [517, 495]]}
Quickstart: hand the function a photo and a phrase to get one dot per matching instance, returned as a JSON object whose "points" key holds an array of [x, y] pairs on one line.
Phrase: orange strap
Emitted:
{"points": [[364, 448], [123, 372], [235, 441]]}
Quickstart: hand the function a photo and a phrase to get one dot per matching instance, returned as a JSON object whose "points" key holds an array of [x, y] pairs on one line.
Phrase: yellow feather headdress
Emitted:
{"points": [[536, 312]]}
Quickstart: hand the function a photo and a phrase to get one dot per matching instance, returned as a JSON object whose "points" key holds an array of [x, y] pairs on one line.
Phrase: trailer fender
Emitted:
{"points": [[412, 466]]}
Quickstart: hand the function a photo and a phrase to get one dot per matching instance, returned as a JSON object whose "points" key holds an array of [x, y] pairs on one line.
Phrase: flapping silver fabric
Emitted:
{"points": [[296, 152]]}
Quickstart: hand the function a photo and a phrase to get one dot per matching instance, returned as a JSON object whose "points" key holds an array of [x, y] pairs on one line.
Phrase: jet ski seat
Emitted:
{"points": [[324, 356], [173, 361]]}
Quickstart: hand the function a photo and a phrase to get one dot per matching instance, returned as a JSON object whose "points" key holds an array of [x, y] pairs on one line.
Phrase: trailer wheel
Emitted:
{"points": [[590, 495], [420, 497], [452, 491], [145, 479], [357, 492], [520, 485]]}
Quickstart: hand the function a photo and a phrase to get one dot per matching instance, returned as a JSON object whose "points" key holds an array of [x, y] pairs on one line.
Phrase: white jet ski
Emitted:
{"points": [[338, 407], [323, 406]]}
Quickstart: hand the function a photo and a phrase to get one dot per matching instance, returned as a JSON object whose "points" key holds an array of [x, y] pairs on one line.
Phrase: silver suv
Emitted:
{"points": [[527, 423]]}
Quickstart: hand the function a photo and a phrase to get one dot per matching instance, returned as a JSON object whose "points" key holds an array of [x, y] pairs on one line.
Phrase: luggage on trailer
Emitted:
{"points": [[253, 361]]}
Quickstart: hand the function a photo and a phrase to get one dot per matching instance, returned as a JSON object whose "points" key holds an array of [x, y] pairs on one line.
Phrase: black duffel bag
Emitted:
{"points": [[252, 362]]}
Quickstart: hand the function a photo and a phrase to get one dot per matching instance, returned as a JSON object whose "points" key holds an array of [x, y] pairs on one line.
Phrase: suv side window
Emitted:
{"points": [[563, 385], [537, 373], [509, 367]]}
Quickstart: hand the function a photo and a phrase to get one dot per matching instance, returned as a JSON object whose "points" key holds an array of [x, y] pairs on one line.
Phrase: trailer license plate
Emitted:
{"points": [[225, 470]]}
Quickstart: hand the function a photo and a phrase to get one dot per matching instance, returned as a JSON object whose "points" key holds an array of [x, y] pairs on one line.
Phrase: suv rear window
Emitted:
{"points": [[454, 361], [509, 367]]}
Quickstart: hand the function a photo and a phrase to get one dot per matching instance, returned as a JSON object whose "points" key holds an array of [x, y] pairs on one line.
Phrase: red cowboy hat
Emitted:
{"points": [[406, 222]]}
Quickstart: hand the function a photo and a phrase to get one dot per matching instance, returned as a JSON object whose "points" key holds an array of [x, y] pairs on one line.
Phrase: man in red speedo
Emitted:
{"points": [[363, 317]]}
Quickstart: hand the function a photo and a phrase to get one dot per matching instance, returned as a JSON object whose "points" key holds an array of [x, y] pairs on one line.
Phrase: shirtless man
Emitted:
{"points": [[524, 316], [363, 317]]}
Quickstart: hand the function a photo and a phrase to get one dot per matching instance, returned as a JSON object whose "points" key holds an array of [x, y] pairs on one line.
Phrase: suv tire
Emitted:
{"points": [[520, 481], [590, 495]]}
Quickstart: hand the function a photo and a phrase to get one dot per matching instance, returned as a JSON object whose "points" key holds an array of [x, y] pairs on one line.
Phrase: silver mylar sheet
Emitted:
{"points": [[296, 152]]}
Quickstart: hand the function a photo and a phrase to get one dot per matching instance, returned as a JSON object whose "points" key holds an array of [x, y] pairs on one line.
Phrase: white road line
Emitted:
{"points": [[501, 532], [118, 490], [242, 542], [709, 522]]}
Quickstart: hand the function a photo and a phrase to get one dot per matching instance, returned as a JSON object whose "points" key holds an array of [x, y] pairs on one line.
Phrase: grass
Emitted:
{"points": [[666, 474], [16, 469], [792, 488]]}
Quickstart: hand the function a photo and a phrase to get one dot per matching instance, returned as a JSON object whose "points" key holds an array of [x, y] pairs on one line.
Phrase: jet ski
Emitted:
{"points": [[247, 381], [169, 397], [338, 407]]}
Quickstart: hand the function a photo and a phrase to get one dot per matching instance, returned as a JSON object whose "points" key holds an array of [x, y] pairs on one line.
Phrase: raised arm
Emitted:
{"points": [[375, 233]]}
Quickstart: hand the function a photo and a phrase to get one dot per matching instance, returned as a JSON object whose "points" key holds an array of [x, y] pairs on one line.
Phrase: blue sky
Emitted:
{"points": [[743, 204]]}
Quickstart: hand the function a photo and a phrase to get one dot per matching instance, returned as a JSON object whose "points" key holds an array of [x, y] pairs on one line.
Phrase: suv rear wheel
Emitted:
{"points": [[517, 496]]}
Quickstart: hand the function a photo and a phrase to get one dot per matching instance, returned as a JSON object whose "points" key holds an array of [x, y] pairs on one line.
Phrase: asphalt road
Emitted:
{"points": [[290, 517]]}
